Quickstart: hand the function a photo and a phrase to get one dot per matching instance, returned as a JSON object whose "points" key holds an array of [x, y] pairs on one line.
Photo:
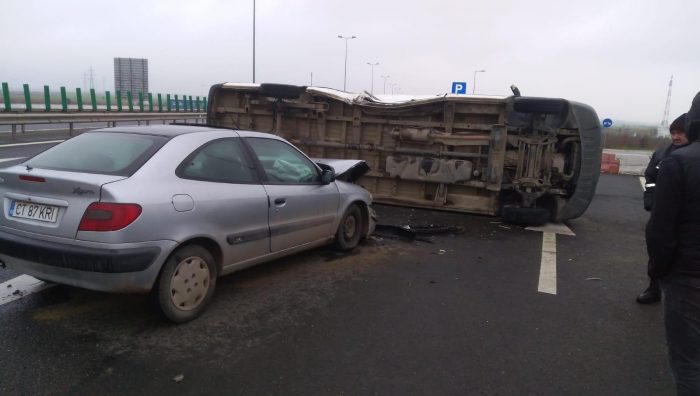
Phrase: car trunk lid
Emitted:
{"points": [[48, 202]]}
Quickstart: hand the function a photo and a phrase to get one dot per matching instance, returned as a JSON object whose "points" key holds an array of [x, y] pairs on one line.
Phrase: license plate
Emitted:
{"points": [[33, 211]]}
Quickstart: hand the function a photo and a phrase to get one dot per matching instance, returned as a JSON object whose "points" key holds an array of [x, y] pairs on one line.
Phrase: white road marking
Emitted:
{"points": [[548, 264], [23, 285], [554, 228], [31, 143], [11, 159], [643, 181]]}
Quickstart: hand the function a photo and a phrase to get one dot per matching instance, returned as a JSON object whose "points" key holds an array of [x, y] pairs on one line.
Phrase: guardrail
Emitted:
{"points": [[22, 121], [70, 122], [144, 101]]}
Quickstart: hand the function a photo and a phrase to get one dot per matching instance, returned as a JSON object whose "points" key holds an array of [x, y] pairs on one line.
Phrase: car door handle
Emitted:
{"points": [[280, 201]]}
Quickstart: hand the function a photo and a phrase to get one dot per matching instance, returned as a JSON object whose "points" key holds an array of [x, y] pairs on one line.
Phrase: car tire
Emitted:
{"points": [[350, 229], [186, 283]]}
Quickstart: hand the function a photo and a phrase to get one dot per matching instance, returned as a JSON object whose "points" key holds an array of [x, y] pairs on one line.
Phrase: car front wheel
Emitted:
{"points": [[186, 283], [350, 229]]}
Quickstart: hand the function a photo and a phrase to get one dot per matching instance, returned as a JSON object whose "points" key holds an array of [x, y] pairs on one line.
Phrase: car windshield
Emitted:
{"points": [[100, 152]]}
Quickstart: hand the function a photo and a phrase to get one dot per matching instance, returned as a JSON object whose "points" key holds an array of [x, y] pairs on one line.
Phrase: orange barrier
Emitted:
{"points": [[610, 164]]}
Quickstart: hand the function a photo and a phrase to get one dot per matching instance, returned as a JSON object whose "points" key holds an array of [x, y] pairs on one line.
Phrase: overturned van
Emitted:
{"points": [[529, 160]]}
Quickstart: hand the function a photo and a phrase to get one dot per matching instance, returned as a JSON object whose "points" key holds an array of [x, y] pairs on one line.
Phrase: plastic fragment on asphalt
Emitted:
{"points": [[442, 251], [179, 378], [593, 279]]}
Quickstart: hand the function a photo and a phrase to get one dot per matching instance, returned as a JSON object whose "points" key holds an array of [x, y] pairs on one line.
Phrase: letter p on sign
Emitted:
{"points": [[459, 88]]}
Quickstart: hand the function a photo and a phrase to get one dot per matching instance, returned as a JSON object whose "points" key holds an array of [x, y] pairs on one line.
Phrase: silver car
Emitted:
{"points": [[168, 209]]}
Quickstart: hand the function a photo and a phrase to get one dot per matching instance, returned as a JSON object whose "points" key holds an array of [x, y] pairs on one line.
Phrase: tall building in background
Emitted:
{"points": [[131, 74]]}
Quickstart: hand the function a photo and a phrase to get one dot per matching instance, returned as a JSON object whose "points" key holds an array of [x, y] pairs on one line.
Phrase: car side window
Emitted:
{"points": [[222, 160], [284, 164]]}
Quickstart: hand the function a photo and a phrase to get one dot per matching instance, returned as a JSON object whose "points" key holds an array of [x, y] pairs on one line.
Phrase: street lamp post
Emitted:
{"points": [[372, 65], [474, 80], [345, 78], [392, 86], [385, 77]]}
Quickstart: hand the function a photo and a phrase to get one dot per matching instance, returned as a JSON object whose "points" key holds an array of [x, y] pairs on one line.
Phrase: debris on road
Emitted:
{"points": [[442, 251], [179, 378], [593, 279], [410, 233]]}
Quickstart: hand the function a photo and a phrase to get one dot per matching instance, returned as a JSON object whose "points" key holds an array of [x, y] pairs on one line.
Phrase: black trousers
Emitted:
{"points": [[682, 320]]}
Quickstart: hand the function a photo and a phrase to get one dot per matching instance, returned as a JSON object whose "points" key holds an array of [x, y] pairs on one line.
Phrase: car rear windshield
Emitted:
{"points": [[109, 153]]}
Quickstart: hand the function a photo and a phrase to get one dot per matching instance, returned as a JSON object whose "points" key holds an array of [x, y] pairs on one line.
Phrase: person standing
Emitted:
{"points": [[652, 294], [673, 241]]}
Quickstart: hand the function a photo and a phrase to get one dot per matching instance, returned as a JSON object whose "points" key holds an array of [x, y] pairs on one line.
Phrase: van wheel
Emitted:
{"points": [[350, 229], [186, 283]]}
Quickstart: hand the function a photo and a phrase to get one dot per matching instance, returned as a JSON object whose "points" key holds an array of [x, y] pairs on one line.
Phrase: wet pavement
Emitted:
{"points": [[449, 314]]}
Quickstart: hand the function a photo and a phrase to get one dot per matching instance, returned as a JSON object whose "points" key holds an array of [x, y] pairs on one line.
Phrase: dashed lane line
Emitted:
{"points": [[31, 143], [11, 159], [548, 262], [21, 286]]}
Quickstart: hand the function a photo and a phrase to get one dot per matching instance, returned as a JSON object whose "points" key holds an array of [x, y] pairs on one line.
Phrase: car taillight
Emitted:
{"points": [[103, 216], [32, 178]]}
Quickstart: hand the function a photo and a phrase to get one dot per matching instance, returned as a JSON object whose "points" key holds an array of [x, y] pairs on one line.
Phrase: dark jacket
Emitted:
{"points": [[673, 231], [651, 173]]}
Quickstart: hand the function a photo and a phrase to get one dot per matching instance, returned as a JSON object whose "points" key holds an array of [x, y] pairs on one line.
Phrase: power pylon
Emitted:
{"points": [[667, 109]]}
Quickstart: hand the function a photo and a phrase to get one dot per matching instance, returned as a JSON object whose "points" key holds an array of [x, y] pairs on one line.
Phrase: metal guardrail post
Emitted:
{"points": [[93, 99], [119, 100], [160, 103], [150, 102], [177, 104], [14, 131], [6, 96], [130, 101], [47, 98], [140, 101], [167, 101], [27, 98], [108, 99], [79, 98], [64, 100]]}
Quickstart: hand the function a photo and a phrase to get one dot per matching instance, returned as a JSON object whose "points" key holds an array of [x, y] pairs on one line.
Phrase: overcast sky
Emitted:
{"points": [[617, 56]]}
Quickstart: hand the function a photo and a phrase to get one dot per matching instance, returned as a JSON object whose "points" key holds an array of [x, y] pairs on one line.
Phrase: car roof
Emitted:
{"points": [[171, 131], [160, 130]]}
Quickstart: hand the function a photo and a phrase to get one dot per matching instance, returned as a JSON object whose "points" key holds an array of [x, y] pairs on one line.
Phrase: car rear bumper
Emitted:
{"points": [[129, 267]]}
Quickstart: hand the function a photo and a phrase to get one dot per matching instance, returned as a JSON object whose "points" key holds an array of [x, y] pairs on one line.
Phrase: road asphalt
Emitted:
{"points": [[450, 314]]}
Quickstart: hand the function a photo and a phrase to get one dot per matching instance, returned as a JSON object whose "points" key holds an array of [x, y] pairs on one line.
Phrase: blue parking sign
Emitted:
{"points": [[459, 87], [607, 122]]}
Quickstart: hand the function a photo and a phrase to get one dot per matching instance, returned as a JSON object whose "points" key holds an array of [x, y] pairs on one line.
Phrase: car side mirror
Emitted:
{"points": [[327, 176]]}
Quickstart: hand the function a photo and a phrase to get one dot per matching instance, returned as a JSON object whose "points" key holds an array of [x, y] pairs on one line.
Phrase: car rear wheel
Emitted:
{"points": [[186, 283], [350, 229]]}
